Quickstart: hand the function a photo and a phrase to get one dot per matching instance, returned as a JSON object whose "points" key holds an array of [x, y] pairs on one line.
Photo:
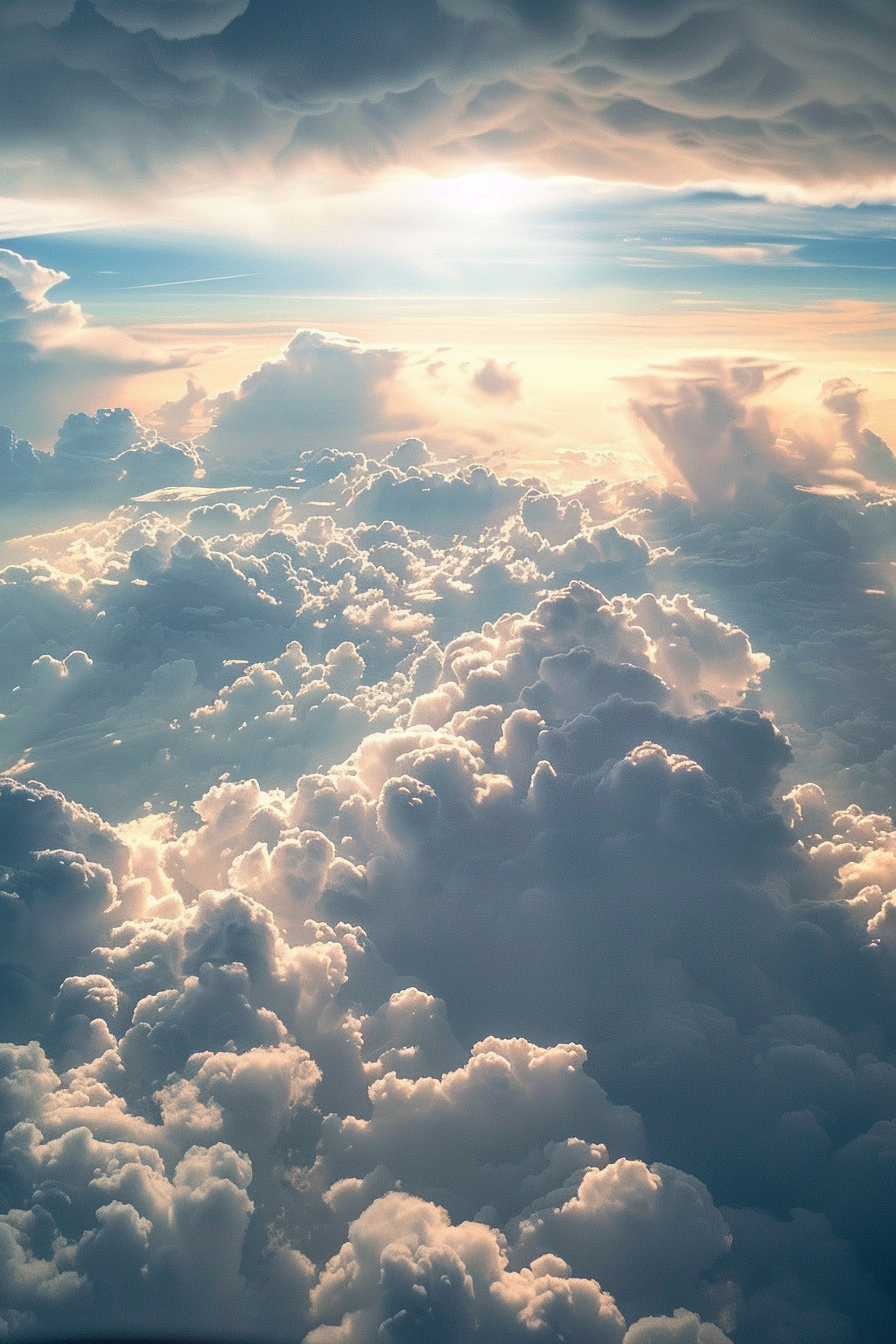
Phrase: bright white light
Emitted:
{"points": [[483, 192]]}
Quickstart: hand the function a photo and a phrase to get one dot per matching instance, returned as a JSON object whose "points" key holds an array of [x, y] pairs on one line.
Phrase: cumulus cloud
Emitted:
{"points": [[719, 442], [484, 965], [406, 1268], [786, 529], [775, 92], [323, 391], [97, 461], [264, 629], [53, 353], [239, 1095]]}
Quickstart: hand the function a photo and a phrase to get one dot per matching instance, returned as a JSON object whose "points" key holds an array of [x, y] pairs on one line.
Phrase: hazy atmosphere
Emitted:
{"points": [[447, 671]]}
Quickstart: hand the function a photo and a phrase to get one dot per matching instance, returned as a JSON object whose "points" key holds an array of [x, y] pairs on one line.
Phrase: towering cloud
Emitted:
{"points": [[321, 391], [788, 531], [722, 444]]}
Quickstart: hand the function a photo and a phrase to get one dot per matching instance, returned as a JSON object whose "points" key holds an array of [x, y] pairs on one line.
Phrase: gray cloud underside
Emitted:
{"points": [[502, 983], [128, 90]]}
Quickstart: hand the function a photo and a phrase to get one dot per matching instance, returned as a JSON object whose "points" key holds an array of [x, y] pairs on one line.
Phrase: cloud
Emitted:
{"points": [[102, 459], [173, 418], [230, 1105], [53, 353], [785, 530], [484, 962], [58, 895], [497, 381], [508, 1105], [700, 413], [683, 1326], [325, 391], [746, 254], [872, 456], [406, 1267], [267, 633], [197, 18], [779, 93], [620, 1219], [719, 442]]}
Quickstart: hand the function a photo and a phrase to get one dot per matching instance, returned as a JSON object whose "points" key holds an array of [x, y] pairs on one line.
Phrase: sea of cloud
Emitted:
{"points": [[439, 907]]}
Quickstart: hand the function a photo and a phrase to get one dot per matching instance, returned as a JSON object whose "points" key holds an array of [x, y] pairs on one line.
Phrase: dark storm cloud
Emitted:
{"points": [[797, 92]]}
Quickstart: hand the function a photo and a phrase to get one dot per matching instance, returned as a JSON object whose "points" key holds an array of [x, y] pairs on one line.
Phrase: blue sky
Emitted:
{"points": [[428, 261], [519, 237]]}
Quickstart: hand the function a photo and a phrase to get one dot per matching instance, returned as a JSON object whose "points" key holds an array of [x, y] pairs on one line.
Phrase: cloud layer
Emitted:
{"points": [[668, 93], [421, 928]]}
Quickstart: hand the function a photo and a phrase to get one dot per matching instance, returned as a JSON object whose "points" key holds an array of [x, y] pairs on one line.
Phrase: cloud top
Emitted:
{"points": [[458, 949]]}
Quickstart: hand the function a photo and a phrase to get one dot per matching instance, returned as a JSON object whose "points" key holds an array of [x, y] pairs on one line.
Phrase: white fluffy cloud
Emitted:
{"points": [[52, 354], [406, 1268], [324, 390], [232, 1106], [483, 966]]}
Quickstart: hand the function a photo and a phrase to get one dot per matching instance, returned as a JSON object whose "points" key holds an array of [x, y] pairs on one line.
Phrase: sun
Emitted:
{"points": [[485, 192]]}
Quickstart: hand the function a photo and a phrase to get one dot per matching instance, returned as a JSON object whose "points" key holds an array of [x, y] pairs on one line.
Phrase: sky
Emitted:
{"points": [[447, 734]]}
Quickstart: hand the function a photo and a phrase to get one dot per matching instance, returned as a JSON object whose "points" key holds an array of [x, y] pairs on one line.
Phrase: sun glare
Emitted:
{"points": [[484, 192]]}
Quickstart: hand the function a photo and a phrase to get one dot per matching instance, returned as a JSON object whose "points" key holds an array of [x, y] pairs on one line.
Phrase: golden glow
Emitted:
{"points": [[571, 419]]}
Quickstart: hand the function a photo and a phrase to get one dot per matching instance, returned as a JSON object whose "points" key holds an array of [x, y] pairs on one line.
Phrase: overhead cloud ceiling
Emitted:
{"points": [[134, 91]]}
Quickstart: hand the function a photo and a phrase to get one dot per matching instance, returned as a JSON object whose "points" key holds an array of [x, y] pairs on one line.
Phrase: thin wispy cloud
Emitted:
{"points": [[201, 280], [745, 254]]}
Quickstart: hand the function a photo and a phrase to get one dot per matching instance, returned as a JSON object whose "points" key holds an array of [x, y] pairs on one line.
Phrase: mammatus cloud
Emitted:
{"points": [[670, 93], [457, 949]]}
